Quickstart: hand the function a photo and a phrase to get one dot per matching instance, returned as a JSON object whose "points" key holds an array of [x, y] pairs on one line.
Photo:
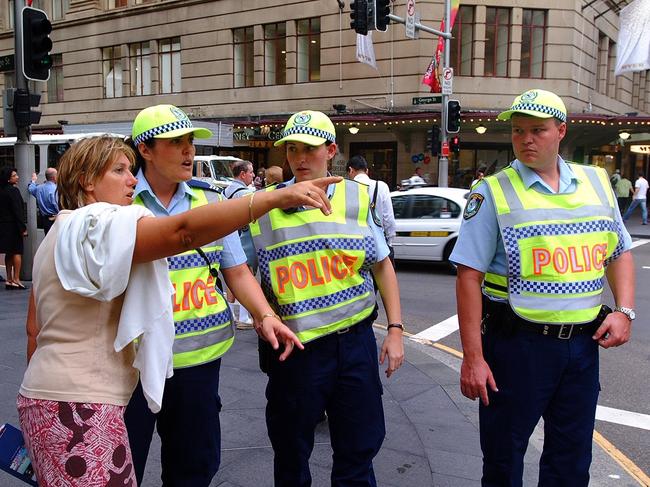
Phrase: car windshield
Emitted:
{"points": [[221, 170]]}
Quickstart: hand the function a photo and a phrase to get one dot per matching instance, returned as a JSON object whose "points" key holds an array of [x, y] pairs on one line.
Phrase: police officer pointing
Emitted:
{"points": [[536, 240]]}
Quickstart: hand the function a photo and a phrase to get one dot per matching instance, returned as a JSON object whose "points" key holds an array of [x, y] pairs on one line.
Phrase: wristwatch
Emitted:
{"points": [[629, 312]]}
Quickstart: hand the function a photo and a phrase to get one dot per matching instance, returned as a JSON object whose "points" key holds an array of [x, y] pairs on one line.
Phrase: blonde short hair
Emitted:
{"points": [[84, 163], [273, 175]]}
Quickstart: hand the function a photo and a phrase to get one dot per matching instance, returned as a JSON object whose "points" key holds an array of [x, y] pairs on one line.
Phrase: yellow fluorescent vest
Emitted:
{"points": [[315, 268], [202, 318], [557, 246]]}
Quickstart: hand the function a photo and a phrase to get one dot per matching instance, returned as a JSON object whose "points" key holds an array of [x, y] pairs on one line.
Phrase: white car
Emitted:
{"points": [[427, 221], [214, 170]]}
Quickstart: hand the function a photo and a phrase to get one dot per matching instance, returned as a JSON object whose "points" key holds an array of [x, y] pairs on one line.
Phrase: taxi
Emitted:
{"points": [[427, 222]]}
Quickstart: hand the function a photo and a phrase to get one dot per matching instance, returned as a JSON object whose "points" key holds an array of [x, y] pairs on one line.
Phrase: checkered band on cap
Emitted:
{"points": [[303, 129], [536, 107], [162, 129]]}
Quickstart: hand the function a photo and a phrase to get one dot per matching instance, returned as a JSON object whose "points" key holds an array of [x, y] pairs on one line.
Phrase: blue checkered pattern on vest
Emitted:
{"points": [[329, 300], [200, 324], [192, 260], [562, 287], [303, 129], [554, 112], [162, 129]]}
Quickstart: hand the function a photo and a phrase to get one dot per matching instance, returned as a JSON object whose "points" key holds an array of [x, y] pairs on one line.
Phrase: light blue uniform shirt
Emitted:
{"points": [[381, 247], [232, 254], [479, 243]]}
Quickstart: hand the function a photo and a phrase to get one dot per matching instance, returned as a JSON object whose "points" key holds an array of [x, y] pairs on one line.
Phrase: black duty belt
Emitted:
{"points": [[500, 318]]}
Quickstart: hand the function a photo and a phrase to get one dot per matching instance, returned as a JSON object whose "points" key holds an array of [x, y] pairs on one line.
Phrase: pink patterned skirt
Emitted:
{"points": [[77, 444]]}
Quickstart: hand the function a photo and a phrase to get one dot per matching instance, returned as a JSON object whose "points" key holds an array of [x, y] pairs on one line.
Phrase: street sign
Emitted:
{"points": [[447, 80], [410, 19], [7, 63], [427, 100], [445, 149]]}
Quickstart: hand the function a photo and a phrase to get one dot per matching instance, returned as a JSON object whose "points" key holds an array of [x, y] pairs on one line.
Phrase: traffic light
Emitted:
{"points": [[359, 16], [433, 140], [454, 144], [37, 44], [382, 12], [453, 116], [24, 116]]}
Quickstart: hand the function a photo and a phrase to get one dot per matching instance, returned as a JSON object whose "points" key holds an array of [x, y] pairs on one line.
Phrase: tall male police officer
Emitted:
{"points": [[537, 239]]}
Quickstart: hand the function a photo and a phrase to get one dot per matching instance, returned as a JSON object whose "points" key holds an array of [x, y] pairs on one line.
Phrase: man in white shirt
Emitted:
{"points": [[639, 199], [358, 171]]}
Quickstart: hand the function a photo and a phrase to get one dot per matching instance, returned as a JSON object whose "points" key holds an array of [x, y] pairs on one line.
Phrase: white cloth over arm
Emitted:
{"points": [[93, 258]]}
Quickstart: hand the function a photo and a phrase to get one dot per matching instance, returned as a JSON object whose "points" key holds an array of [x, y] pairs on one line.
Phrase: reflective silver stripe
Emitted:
{"points": [[332, 316], [552, 304], [595, 211], [597, 185], [184, 344], [514, 203]]}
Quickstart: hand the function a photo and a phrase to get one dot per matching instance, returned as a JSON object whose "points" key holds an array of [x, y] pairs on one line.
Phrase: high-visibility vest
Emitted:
{"points": [[315, 268], [202, 318], [557, 246]]}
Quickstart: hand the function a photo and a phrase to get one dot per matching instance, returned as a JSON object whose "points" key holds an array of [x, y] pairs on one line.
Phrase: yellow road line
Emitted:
{"points": [[628, 465]]}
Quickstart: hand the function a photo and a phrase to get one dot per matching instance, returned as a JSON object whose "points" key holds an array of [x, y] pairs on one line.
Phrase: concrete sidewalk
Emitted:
{"points": [[432, 434]]}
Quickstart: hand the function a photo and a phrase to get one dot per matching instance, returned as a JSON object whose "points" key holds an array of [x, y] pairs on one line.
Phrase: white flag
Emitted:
{"points": [[633, 49], [365, 51]]}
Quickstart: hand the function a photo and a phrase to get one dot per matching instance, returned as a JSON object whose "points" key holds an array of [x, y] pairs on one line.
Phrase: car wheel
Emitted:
{"points": [[445, 256]]}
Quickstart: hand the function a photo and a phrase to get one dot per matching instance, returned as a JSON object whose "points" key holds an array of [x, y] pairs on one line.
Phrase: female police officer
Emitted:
{"points": [[188, 423], [316, 273]]}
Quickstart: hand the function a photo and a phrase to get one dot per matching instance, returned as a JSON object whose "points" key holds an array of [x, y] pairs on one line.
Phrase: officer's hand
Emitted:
{"points": [[393, 347], [615, 330], [307, 193], [474, 375], [274, 331]]}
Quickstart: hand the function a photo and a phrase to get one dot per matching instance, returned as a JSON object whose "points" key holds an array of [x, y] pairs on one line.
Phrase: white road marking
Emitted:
{"points": [[626, 418], [646, 267], [639, 242], [441, 330]]}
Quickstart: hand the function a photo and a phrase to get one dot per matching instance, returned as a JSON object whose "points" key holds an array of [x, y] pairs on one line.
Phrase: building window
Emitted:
{"points": [[55, 82], [243, 57], [601, 64], [275, 54], [117, 3], [308, 50], [612, 81], [10, 15], [533, 40], [169, 64], [140, 68], [462, 52], [112, 65], [497, 33], [59, 8]]}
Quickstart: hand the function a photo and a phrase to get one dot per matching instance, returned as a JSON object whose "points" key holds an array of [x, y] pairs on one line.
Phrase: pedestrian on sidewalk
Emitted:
{"points": [[241, 186], [529, 298], [380, 202], [101, 281], [639, 199], [624, 192], [317, 272], [188, 423], [46, 198], [13, 228]]}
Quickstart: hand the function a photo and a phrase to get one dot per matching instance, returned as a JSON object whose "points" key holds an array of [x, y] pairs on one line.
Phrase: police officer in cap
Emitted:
{"points": [[317, 272], [536, 241]]}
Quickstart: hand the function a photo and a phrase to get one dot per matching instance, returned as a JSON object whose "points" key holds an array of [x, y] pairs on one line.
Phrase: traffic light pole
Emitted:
{"points": [[443, 161], [23, 150]]}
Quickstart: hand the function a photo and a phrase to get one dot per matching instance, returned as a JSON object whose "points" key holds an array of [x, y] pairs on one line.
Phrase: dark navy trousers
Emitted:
{"points": [[539, 376], [188, 425], [338, 373]]}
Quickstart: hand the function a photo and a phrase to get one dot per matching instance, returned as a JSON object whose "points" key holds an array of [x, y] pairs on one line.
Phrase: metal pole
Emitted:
{"points": [[24, 163], [443, 162]]}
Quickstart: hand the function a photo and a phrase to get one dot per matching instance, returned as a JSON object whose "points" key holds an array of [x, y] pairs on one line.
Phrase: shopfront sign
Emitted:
{"points": [[640, 149]]}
